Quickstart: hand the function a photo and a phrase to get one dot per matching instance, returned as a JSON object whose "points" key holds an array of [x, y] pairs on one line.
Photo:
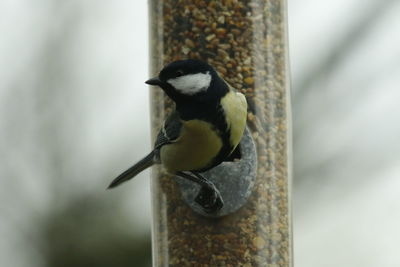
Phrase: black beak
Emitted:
{"points": [[154, 81]]}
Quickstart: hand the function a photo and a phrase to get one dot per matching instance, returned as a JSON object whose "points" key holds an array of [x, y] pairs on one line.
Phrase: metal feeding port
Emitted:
{"points": [[233, 178]]}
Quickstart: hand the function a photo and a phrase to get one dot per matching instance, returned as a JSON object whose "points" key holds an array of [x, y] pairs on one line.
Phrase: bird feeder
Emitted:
{"points": [[246, 42]]}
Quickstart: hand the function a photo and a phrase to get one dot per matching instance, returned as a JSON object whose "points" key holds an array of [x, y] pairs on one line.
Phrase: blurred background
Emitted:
{"points": [[74, 113]]}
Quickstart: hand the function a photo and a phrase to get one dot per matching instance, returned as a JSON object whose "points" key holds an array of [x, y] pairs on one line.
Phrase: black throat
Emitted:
{"points": [[205, 105]]}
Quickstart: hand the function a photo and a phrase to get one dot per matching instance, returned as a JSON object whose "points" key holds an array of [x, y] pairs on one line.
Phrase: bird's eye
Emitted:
{"points": [[179, 73]]}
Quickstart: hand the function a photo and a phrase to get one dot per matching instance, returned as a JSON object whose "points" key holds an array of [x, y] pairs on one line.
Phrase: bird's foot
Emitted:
{"points": [[209, 199]]}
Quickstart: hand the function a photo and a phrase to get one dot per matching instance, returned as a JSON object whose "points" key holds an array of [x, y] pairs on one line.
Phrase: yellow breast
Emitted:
{"points": [[195, 149], [235, 107]]}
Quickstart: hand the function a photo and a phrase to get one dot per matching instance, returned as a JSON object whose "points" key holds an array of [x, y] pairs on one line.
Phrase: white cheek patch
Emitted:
{"points": [[192, 83]]}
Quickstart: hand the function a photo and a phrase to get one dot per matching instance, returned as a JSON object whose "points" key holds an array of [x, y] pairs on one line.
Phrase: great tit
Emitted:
{"points": [[204, 129]]}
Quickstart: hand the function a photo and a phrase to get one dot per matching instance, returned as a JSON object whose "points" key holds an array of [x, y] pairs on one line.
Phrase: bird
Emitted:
{"points": [[204, 129]]}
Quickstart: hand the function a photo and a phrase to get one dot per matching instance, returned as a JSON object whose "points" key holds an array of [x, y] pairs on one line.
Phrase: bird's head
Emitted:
{"points": [[189, 79]]}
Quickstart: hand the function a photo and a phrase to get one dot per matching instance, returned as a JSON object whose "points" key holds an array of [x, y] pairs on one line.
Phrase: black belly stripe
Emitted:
{"points": [[221, 127], [210, 110]]}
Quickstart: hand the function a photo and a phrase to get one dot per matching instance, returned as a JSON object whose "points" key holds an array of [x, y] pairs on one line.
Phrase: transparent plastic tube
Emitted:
{"points": [[246, 42]]}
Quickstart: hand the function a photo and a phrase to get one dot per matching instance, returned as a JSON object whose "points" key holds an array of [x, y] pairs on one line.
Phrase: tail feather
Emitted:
{"points": [[134, 170]]}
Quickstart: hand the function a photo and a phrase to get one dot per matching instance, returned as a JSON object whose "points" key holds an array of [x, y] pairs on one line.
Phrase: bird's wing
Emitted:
{"points": [[170, 130]]}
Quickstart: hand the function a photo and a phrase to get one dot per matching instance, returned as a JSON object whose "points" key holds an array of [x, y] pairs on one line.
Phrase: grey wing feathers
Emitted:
{"points": [[170, 130], [168, 134]]}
